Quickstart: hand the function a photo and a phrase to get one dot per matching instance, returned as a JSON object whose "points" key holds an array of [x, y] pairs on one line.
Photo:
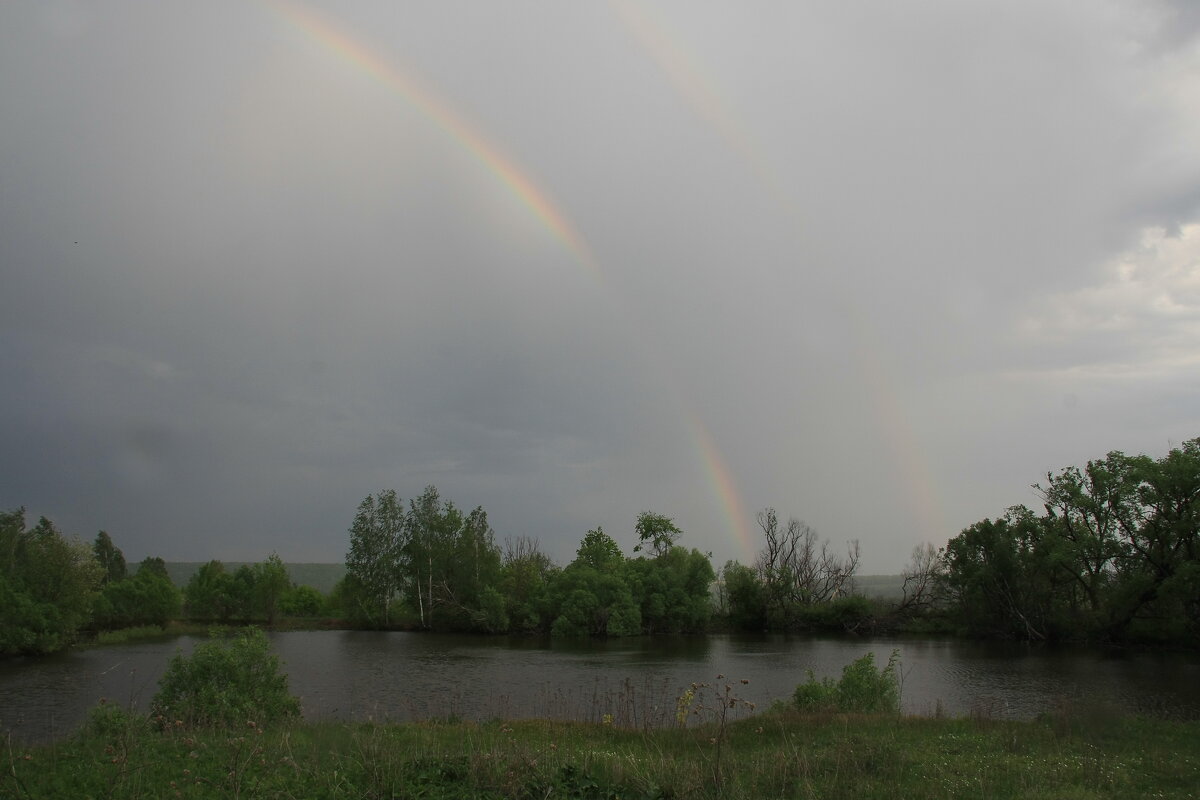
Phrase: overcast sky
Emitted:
{"points": [[878, 265]]}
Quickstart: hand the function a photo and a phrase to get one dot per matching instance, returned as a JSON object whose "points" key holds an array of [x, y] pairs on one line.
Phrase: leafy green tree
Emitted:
{"points": [[47, 586], [745, 596], [524, 576], [156, 565], [271, 583], [211, 594], [656, 532], [243, 591], [302, 601], [591, 597], [1114, 557], [146, 598], [376, 557], [452, 558], [599, 551], [110, 558], [672, 586], [1000, 582]]}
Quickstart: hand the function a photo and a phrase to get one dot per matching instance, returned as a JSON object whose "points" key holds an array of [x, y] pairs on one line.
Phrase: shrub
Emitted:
{"points": [[225, 683], [862, 688]]}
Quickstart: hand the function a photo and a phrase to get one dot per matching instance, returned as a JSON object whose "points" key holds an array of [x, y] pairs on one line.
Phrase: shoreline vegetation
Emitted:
{"points": [[833, 739], [1114, 559]]}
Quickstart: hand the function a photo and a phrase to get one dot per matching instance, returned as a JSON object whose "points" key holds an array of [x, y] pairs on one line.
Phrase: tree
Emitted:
{"points": [[301, 601], [656, 532], [924, 578], [994, 573], [1115, 556], [271, 583], [110, 558], [592, 596], [451, 560], [146, 598], [746, 597], [47, 585], [599, 551], [155, 565], [798, 570], [524, 576], [377, 545], [673, 590], [211, 594]]}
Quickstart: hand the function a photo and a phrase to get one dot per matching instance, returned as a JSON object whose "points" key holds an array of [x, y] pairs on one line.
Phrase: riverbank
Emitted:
{"points": [[1071, 752]]}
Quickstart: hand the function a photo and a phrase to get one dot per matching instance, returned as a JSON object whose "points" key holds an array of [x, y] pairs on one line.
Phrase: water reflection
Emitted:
{"points": [[364, 675]]}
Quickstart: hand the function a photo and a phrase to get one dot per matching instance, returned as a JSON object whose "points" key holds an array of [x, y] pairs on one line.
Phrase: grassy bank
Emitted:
{"points": [[1064, 755]]}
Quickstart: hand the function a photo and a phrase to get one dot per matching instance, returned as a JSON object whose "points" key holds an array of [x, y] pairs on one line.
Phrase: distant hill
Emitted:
{"points": [[321, 577], [888, 587]]}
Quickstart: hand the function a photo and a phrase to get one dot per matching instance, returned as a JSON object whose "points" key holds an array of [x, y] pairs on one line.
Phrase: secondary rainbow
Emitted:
{"points": [[330, 37]]}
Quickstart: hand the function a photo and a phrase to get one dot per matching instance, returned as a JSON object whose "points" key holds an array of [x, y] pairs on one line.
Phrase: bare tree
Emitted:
{"points": [[923, 586], [798, 568]]}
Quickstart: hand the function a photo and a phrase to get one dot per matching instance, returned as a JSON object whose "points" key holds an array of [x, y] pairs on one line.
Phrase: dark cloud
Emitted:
{"points": [[871, 253]]}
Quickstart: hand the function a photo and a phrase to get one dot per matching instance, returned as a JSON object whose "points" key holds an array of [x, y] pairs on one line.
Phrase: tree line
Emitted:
{"points": [[432, 566], [1114, 555], [55, 589]]}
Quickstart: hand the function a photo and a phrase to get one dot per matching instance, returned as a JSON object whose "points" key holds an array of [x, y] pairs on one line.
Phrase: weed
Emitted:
{"points": [[861, 689], [224, 684]]}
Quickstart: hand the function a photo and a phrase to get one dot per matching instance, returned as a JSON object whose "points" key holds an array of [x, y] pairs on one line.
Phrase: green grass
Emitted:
{"points": [[1068, 754]]}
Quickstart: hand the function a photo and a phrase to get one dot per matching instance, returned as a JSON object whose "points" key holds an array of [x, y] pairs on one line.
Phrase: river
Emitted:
{"points": [[361, 675]]}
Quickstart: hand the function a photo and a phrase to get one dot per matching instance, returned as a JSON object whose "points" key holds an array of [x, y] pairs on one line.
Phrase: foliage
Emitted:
{"points": [[146, 598], [228, 683], [271, 582], [109, 557], [673, 589], [1114, 556], [525, 574], [435, 558], [211, 594], [656, 532], [47, 586], [797, 583], [861, 689], [374, 558], [301, 601], [598, 551]]}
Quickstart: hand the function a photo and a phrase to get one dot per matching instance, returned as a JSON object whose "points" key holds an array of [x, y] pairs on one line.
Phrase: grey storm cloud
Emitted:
{"points": [[880, 266]]}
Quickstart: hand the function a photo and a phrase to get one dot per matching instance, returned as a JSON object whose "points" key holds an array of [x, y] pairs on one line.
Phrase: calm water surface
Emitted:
{"points": [[373, 675]]}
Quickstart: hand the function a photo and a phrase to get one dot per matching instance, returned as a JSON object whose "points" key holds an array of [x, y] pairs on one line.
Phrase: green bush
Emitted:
{"points": [[225, 683], [862, 688]]}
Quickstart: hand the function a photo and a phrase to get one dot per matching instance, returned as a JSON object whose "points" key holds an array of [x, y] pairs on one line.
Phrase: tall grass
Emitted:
{"points": [[789, 754]]}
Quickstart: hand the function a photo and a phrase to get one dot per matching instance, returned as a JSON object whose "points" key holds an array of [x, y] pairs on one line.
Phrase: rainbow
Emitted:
{"points": [[700, 94], [327, 35], [723, 485]]}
